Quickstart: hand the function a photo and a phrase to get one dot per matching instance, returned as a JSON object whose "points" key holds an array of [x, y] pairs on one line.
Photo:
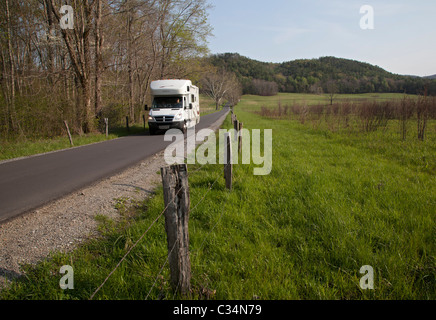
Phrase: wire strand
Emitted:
{"points": [[132, 247], [153, 223], [160, 271]]}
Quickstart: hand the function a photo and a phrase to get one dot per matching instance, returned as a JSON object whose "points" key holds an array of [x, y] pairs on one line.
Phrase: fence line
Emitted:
{"points": [[198, 169], [195, 207], [208, 190], [190, 211], [157, 219], [218, 221], [132, 247], [161, 269], [204, 240]]}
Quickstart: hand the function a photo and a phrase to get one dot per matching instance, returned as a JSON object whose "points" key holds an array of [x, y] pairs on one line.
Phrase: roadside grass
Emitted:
{"points": [[23, 147], [207, 105], [330, 205]]}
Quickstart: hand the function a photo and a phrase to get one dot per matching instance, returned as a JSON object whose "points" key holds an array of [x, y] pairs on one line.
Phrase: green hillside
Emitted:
{"points": [[320, 75]]}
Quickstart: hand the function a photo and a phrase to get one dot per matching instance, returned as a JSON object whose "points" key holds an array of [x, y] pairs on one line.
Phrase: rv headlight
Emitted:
{"points": [[178, 116]]}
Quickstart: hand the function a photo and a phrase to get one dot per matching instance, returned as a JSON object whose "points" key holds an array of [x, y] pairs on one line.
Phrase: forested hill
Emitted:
{"points": [[319, 75]]}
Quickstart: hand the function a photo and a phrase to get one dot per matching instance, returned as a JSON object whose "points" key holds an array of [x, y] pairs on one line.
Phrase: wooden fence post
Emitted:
{"points": [[177, 202], [228, 161], [106, 122], [236, 127], [241, 126], [69, 134]]}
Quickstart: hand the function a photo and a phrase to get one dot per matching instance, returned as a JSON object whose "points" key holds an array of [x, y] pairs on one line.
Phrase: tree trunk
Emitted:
{"points": [[98, 57], [50, 35], [78, 45], [11, 100], [130, 64], [89, 124]]}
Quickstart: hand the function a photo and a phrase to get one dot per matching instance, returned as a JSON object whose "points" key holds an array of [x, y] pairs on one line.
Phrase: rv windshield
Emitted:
{"points": [[167, 102]]}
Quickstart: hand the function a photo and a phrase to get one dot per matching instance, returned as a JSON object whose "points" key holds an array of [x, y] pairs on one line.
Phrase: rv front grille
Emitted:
{"points": [[164, 118]]}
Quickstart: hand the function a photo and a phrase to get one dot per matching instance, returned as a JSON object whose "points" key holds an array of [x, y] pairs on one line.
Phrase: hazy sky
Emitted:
{"points": [[403, 40]]}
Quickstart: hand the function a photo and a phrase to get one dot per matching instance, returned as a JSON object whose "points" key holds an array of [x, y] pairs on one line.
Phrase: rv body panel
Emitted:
{"points": [[175, 104]]}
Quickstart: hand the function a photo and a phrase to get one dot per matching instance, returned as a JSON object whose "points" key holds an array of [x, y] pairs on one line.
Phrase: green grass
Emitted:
{"points": [[252, 103], [331, 204], [207, 105], [27, 147]]}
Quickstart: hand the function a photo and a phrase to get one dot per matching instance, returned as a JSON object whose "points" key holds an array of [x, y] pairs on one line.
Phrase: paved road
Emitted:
{"points": [[32, 182]]}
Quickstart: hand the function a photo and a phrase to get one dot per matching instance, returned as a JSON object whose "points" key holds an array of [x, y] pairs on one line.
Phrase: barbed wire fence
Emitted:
{"points": [[172, 207]]}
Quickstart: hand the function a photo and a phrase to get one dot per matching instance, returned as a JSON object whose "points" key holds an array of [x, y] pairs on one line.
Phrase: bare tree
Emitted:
{"points": [[98, 56], [218, 85], [9, 73], [50, 37], [422, 114], [78, 44], [234, 94], [103, 65], [264, 88], [405, 112], [332, 90]]}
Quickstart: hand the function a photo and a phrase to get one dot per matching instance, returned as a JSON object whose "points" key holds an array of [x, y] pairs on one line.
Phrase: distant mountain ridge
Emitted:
{"points": [[316, 75], [430, 77]]}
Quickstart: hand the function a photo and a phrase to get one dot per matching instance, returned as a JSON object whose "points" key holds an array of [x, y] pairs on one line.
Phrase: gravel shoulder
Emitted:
{"points": [[62, 225]]}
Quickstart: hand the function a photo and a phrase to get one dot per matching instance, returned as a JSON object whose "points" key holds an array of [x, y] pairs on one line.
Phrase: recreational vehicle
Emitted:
{"points": [[175, 104]]}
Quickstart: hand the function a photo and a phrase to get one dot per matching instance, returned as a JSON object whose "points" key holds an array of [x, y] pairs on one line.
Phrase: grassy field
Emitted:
{"points": [[332, 203], [255, 102]]}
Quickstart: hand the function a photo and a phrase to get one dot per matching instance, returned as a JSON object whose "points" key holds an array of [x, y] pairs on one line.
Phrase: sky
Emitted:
{"points": [[402, 40]]}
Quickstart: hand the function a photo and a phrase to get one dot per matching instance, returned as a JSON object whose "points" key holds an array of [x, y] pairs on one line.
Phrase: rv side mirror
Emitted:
{"points": [[190, 106], [146, 107]]}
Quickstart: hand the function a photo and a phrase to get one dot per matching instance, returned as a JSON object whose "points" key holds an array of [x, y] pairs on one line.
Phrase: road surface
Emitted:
{"points": [[29, 183]]}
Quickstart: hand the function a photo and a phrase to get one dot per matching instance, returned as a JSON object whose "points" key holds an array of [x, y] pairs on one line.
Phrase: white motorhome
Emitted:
{"points": [[175, 104]]}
